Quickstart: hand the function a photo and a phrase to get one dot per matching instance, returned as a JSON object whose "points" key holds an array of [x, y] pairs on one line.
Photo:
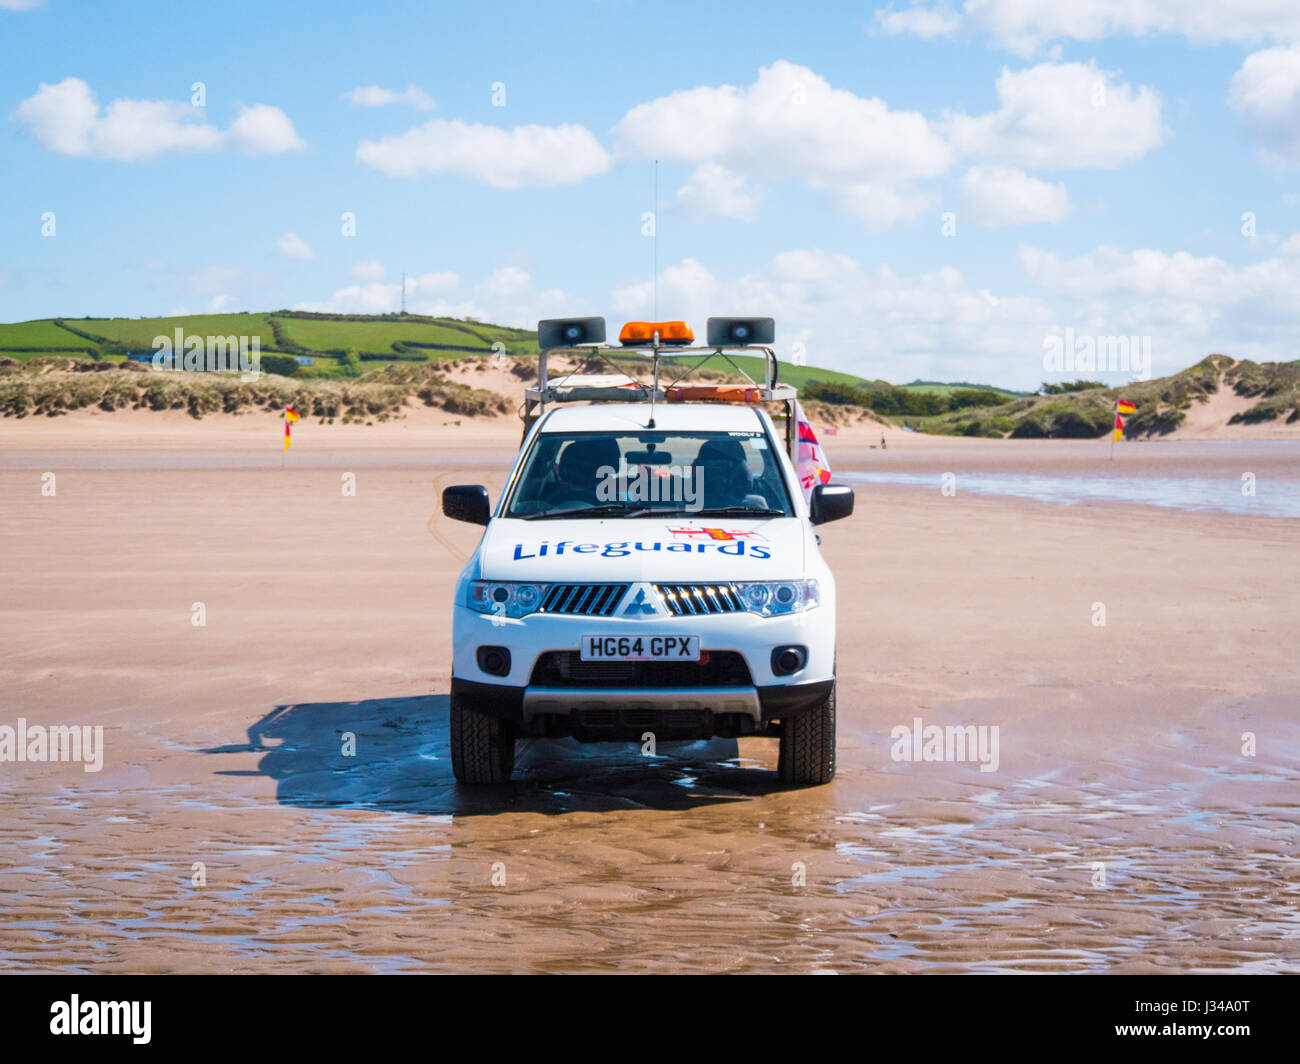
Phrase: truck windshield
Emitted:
{"points": [[639, 474]]}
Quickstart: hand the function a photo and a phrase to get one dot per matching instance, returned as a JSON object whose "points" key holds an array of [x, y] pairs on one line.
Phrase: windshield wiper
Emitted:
{"points": [[727, 511], [620, 509]]}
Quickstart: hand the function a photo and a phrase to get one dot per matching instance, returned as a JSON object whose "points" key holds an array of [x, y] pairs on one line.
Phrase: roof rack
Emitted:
{"points": [[622, 387]]}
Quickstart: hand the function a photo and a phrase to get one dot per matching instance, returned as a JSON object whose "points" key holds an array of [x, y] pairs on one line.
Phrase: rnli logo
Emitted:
{"points": [[641, 604], [714, 533]]}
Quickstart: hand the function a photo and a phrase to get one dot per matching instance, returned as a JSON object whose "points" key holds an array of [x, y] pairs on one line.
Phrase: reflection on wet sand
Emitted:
{"points": [[615, 861]]}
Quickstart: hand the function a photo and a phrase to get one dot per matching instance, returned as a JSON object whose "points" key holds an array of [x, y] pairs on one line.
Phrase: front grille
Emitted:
{"points": [[685, 600], [589, 600], [565, 668]]}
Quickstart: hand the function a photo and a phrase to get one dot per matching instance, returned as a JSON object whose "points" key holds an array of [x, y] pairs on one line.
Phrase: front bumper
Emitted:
{"points": [[524, 704], [749, 635]]}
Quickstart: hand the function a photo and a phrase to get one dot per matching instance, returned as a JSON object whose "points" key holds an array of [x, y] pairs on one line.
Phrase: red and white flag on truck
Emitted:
{"points": [[812, 467]]}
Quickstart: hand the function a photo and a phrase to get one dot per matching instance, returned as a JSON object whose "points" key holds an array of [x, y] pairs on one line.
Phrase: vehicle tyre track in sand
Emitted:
{"points": [[435, 519]]}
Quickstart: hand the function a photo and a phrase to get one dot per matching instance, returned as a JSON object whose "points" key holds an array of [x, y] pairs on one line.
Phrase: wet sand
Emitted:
{"points": [[1120, 746]]}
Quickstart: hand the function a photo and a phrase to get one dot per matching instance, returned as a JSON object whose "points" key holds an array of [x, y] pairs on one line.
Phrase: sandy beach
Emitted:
{"points": [[1124, 830]]}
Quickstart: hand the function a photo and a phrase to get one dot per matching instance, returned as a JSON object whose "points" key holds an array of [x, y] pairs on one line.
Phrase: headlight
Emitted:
{"points": [[503, 599], [779, 597]]}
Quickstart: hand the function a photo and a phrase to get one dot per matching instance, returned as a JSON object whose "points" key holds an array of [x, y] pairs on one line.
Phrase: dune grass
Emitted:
{"points": [[53, 386]]}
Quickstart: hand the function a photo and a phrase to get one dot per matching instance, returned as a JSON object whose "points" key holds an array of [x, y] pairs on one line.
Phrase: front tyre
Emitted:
{"points": [[808, 745], [482, 746]]}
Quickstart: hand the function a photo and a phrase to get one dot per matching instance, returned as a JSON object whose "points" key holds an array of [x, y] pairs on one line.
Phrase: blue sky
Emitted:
{"points": [[1096, 166]]}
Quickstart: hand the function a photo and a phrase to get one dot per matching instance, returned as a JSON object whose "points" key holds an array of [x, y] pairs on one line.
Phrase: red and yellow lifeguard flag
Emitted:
{"points": [[290, 416], [1122, 406]]}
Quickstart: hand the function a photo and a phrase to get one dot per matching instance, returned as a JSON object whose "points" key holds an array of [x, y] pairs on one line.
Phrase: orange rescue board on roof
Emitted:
{"points": [[730, 393]]}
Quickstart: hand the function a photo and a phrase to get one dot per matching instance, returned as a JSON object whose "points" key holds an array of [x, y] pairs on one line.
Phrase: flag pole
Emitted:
{"points": [[1112, 431]]}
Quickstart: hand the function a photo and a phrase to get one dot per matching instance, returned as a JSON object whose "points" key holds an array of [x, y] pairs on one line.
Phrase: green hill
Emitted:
{"points": [[326, 338], [1162, 403]]}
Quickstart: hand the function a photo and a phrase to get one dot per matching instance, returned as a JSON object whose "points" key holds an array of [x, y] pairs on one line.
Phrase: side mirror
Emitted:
{"points": [[830, 502], [468, 502]]}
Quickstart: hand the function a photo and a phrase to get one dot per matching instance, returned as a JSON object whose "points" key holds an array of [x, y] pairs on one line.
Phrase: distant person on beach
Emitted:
{"points": [[883, 445]]}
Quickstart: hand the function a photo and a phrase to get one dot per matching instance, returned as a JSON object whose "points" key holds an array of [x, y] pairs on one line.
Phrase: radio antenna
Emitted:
{"points": [[655, 386], [655, 241]]}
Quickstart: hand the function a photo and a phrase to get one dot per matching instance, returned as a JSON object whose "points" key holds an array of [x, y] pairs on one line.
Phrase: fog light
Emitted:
{"points": [[494, 660], [787, 660]]}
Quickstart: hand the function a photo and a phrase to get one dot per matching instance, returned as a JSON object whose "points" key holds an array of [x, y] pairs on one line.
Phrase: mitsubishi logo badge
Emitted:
{"points": [[639, 604]]}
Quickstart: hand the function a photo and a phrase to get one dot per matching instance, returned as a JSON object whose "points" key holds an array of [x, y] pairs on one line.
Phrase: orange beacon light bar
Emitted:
{"points": [[642, 333]]}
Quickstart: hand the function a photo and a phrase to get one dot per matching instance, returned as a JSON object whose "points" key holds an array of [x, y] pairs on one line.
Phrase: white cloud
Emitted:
{"points": [[998, 195], [942, 325], [292, 246], [67, 118], [874, 322], [370, 270], [1059, 116], [504, 158], [213, 288], [922, 21], [263, 130], [209, 280], [873, 162], [423, 291], [713, 191], [790, 122], [507, 297], [879, 207], [1023, 26], [1265, 92], [688, 291], [19, 5], [1190, 305], [374, 96]]}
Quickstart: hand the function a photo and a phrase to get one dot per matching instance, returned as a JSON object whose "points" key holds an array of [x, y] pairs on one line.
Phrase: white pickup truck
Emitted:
{"points": [[650, 567]]}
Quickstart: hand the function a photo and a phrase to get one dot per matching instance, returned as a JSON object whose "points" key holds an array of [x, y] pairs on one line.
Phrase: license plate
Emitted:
{"points": [[640, 648]]}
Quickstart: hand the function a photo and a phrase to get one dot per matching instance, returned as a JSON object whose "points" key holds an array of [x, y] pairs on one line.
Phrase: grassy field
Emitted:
{"points": [[300, 334], [937, 388], [517, 341], [378, 337], [40, 336], [137, 334]]}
